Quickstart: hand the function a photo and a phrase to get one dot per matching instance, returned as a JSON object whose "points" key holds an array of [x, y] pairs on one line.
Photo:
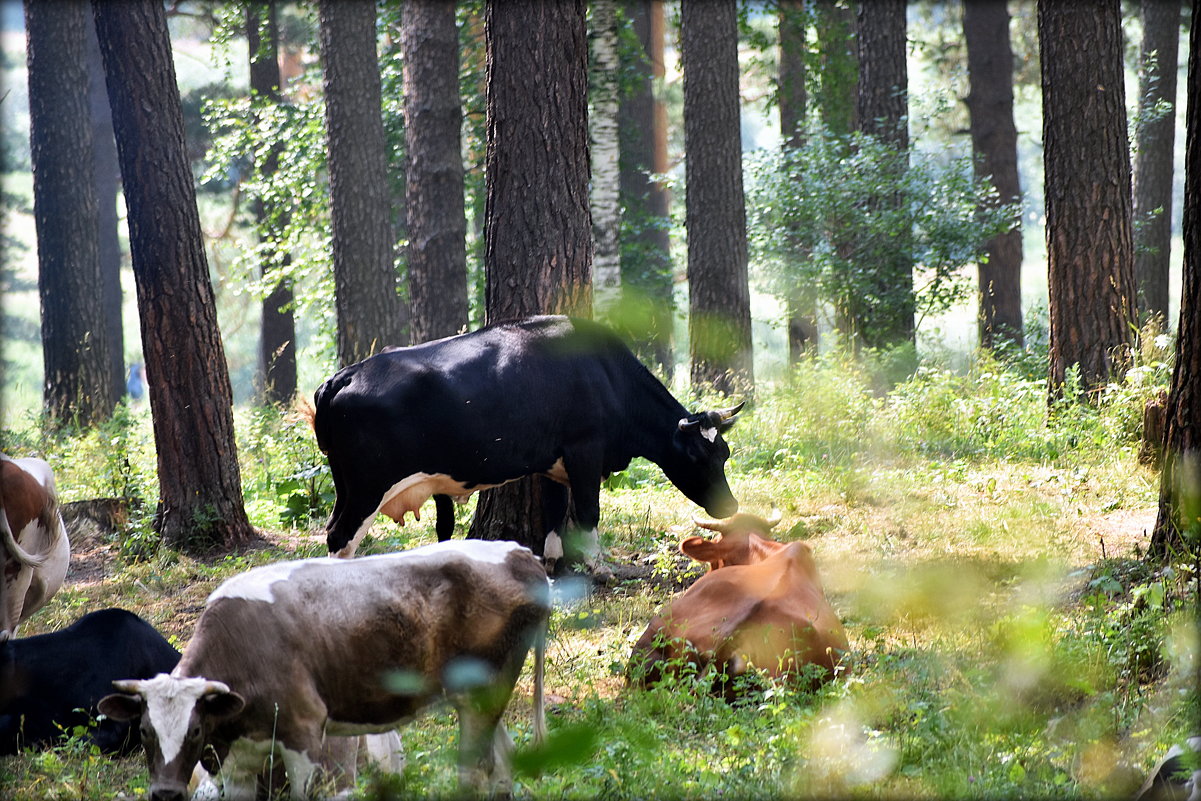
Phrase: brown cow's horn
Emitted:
{"points": [[774, 519], [128, 686], [710, 523]]}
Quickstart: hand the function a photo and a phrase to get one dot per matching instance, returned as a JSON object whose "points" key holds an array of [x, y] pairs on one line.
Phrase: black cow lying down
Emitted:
{"points": [[45, 679], [551, 396]]}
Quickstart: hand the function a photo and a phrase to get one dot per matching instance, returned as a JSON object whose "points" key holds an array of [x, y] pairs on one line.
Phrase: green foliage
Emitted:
{"points": [[285, 477], [831, 213]]}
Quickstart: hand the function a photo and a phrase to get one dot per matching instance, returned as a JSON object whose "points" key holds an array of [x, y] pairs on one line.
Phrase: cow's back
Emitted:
{"points": [[368, 635]]}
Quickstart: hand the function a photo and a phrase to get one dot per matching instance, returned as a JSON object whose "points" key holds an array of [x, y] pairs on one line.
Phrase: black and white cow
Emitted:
{"points": [[51, 682], [552, 396], [34, 549], [286, 654]]}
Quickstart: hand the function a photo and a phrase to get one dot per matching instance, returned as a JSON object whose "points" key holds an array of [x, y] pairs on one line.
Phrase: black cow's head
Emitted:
{"points": [[177, 719], [697, 461]]}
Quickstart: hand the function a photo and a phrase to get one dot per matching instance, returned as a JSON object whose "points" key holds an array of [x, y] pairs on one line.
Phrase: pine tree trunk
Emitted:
{"points": [[75, 346], [995, 144], [371, 315], [719, 321], [437, 223], [538, 245], [277, 338], [1090, 248], [801, 302], [108, 183], [883, 315], [200, 487], [606, 154], [1180, 483], [1153, 162], [646, 269]]}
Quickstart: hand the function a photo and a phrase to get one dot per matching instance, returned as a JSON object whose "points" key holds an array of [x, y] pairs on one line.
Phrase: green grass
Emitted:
{"points": [[983, 553]]}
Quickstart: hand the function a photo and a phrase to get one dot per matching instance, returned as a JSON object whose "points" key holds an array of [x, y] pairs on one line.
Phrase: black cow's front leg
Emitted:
{"points": [[444, 517], [581, 541]]}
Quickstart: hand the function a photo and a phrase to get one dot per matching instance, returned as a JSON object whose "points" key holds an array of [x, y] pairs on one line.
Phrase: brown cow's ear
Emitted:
{"points": [[703, 550], [222, 704], [120, 706]]}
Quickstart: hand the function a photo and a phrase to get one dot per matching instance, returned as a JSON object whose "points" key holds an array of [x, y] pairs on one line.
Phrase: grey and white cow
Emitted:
{"points": [[289, 653]]}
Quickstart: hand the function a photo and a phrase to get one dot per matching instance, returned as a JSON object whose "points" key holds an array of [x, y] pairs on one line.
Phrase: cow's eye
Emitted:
{"points": [[194, 732], [147, 732]]}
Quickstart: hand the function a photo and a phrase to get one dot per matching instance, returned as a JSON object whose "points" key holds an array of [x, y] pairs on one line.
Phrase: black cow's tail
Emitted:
{"points": [[321, 413]]}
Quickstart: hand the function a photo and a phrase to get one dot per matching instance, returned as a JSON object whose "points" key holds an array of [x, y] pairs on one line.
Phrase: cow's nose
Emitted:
{"points": [[724, 507], [167, 794]]}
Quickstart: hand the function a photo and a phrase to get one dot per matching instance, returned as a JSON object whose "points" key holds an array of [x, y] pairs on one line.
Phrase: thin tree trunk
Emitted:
{"points": [[437, 223], [1153, 161], [606, 154], [719, 322], [371, 315], [108, 184], [994, 142], [538, 245], [277, 339], [75, 345], [200, 484], [1090, 247], [646, 269], [884, 314], [839, 66], [1180, 483]]}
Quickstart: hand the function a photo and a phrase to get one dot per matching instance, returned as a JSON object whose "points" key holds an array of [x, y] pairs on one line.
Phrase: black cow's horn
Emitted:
{"points": [[726, 414], [688, 425]]}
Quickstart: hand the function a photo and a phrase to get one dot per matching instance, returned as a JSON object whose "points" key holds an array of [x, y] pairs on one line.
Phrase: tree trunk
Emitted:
{"points": [[108, 184], [1180, 483], [839, 66], [801, 302], [1090, 248], [1153, 161], [371, 315], [434, 194], [719, 321], [75, 342], [995, 144], [538, 245], [883, 315], [190, 399], [277, 338], [646, 269], [606, 155]]}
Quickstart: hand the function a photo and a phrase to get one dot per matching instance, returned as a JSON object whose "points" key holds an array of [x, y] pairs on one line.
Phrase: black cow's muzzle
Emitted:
{"points": [[170, 792], [722, 507]]}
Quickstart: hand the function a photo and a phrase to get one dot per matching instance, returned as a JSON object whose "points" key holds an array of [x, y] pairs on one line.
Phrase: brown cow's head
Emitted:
{"points": [[742, 540], [177, 719]]}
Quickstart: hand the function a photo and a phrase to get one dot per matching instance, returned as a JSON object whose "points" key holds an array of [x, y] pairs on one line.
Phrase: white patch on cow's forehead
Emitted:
{"points": [[709, 434], [169, 704]]}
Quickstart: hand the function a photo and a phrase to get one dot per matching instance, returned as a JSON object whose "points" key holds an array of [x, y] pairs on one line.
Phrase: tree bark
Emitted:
{"points": [[108, 184], [646, 269], [884, 315], [606, 155], [801, 301], [371, 315], [76, 347], [1179, 518], [200, 484], [434, 194], [537, 244], [1090, 247], [277, 338], [995, 144], [719, 322], [1153, 160]]}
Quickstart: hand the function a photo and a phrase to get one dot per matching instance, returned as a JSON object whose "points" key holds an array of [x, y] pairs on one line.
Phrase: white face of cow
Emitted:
{"points": [[177, 716]]}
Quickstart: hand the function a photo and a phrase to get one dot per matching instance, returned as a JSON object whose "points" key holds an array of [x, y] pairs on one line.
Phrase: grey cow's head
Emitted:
{"points": [[177, 716], [697, 463]]}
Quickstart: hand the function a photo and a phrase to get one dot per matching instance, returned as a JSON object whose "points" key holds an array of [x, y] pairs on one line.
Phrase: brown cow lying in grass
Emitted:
{"points": [[760, 604]]}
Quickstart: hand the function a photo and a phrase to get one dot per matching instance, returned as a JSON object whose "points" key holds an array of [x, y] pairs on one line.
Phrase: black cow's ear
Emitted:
{"points": [[120, 706], [221, 705]]}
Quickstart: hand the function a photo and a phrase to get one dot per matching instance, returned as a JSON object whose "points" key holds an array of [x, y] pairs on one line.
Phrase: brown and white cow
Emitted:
{"points": [[761, 604], [34, 549], [289, 653]]}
